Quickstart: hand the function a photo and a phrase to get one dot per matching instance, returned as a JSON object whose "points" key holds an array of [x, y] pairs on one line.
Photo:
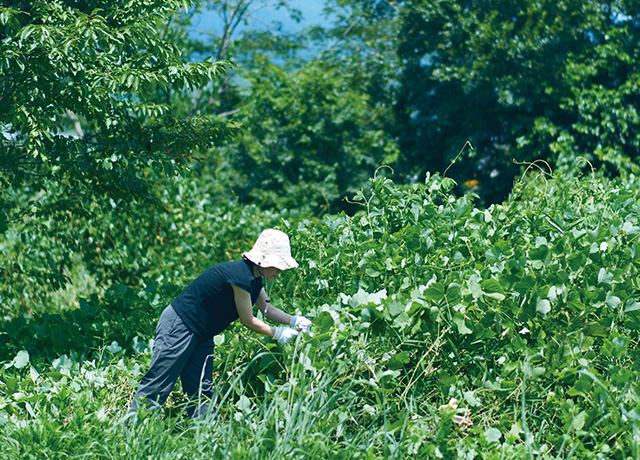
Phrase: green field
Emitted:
{"points": [[441, 331]]}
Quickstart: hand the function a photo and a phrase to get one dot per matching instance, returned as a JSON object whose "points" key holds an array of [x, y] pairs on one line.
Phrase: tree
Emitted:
{"points": [[89, 132], [521, 81], [311, 102], [312, 137], [79, 79], [236, 33]]}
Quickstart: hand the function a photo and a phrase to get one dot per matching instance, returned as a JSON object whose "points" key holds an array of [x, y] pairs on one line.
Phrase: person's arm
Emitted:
{"points": [[273, 313], [245, 312], [278, 316]]}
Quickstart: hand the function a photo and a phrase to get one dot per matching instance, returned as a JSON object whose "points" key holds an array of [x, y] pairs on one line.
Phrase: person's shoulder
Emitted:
{"points": [[234, 266], [225, 265]]}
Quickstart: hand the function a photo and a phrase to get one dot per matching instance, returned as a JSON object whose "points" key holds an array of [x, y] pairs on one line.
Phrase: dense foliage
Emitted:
{"points": [[86, 142], [444, 327], [441, 331], [522, 81], [312, 138], [77, 103]]}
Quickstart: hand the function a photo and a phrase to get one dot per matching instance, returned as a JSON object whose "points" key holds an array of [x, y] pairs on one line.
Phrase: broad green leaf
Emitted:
{"points": [[114, 347], [632, 305], [614, 347], [596, 330], [462, 327], [475, 286], [377, 297], [325, 321], [579, 421], [573, 300], [539, 253], [435, 292], [525, 285], [387, 376], [471, 398], [576, 261], [453, 294], [492, 288], [541, 241], [398, 360], [244, 403], [492, 435], [612, 301], [543, 307], [630, 229], [30, 410], [33, 374], [604, 276], [372, 272], [21, 359], [395, 308]]}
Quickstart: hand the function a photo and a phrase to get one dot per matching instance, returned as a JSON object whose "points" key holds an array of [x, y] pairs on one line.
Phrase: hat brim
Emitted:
{"points": [[269, 260]]}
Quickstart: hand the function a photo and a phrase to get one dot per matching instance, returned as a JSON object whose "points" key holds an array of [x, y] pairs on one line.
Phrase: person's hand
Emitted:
{"points": [[283, 334], [301, 323]]}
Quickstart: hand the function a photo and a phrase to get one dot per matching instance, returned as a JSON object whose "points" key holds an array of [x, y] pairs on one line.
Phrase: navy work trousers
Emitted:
{"points": [[177, 352]]}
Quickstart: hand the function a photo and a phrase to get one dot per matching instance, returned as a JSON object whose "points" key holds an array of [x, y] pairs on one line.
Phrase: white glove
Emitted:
{"points": [[301, 323], [283, 334]]}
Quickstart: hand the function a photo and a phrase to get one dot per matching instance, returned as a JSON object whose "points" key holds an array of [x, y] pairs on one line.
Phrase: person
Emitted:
{"points": [[183, 343]]}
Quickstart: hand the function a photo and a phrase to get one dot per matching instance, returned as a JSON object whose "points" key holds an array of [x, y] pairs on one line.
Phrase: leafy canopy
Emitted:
{"points": [[313, 138], [76, 98], [527, 80]]}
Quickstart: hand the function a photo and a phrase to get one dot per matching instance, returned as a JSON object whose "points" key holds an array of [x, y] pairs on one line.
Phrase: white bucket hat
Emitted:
{"points": [[272, 249]]}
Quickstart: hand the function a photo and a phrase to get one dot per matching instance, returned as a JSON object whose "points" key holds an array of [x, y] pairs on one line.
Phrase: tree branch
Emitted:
{"points": [[12, 90], [344, 35]]}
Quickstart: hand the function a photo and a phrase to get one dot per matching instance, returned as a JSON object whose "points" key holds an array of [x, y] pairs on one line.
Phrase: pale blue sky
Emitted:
{"points": [[311, 13]]}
